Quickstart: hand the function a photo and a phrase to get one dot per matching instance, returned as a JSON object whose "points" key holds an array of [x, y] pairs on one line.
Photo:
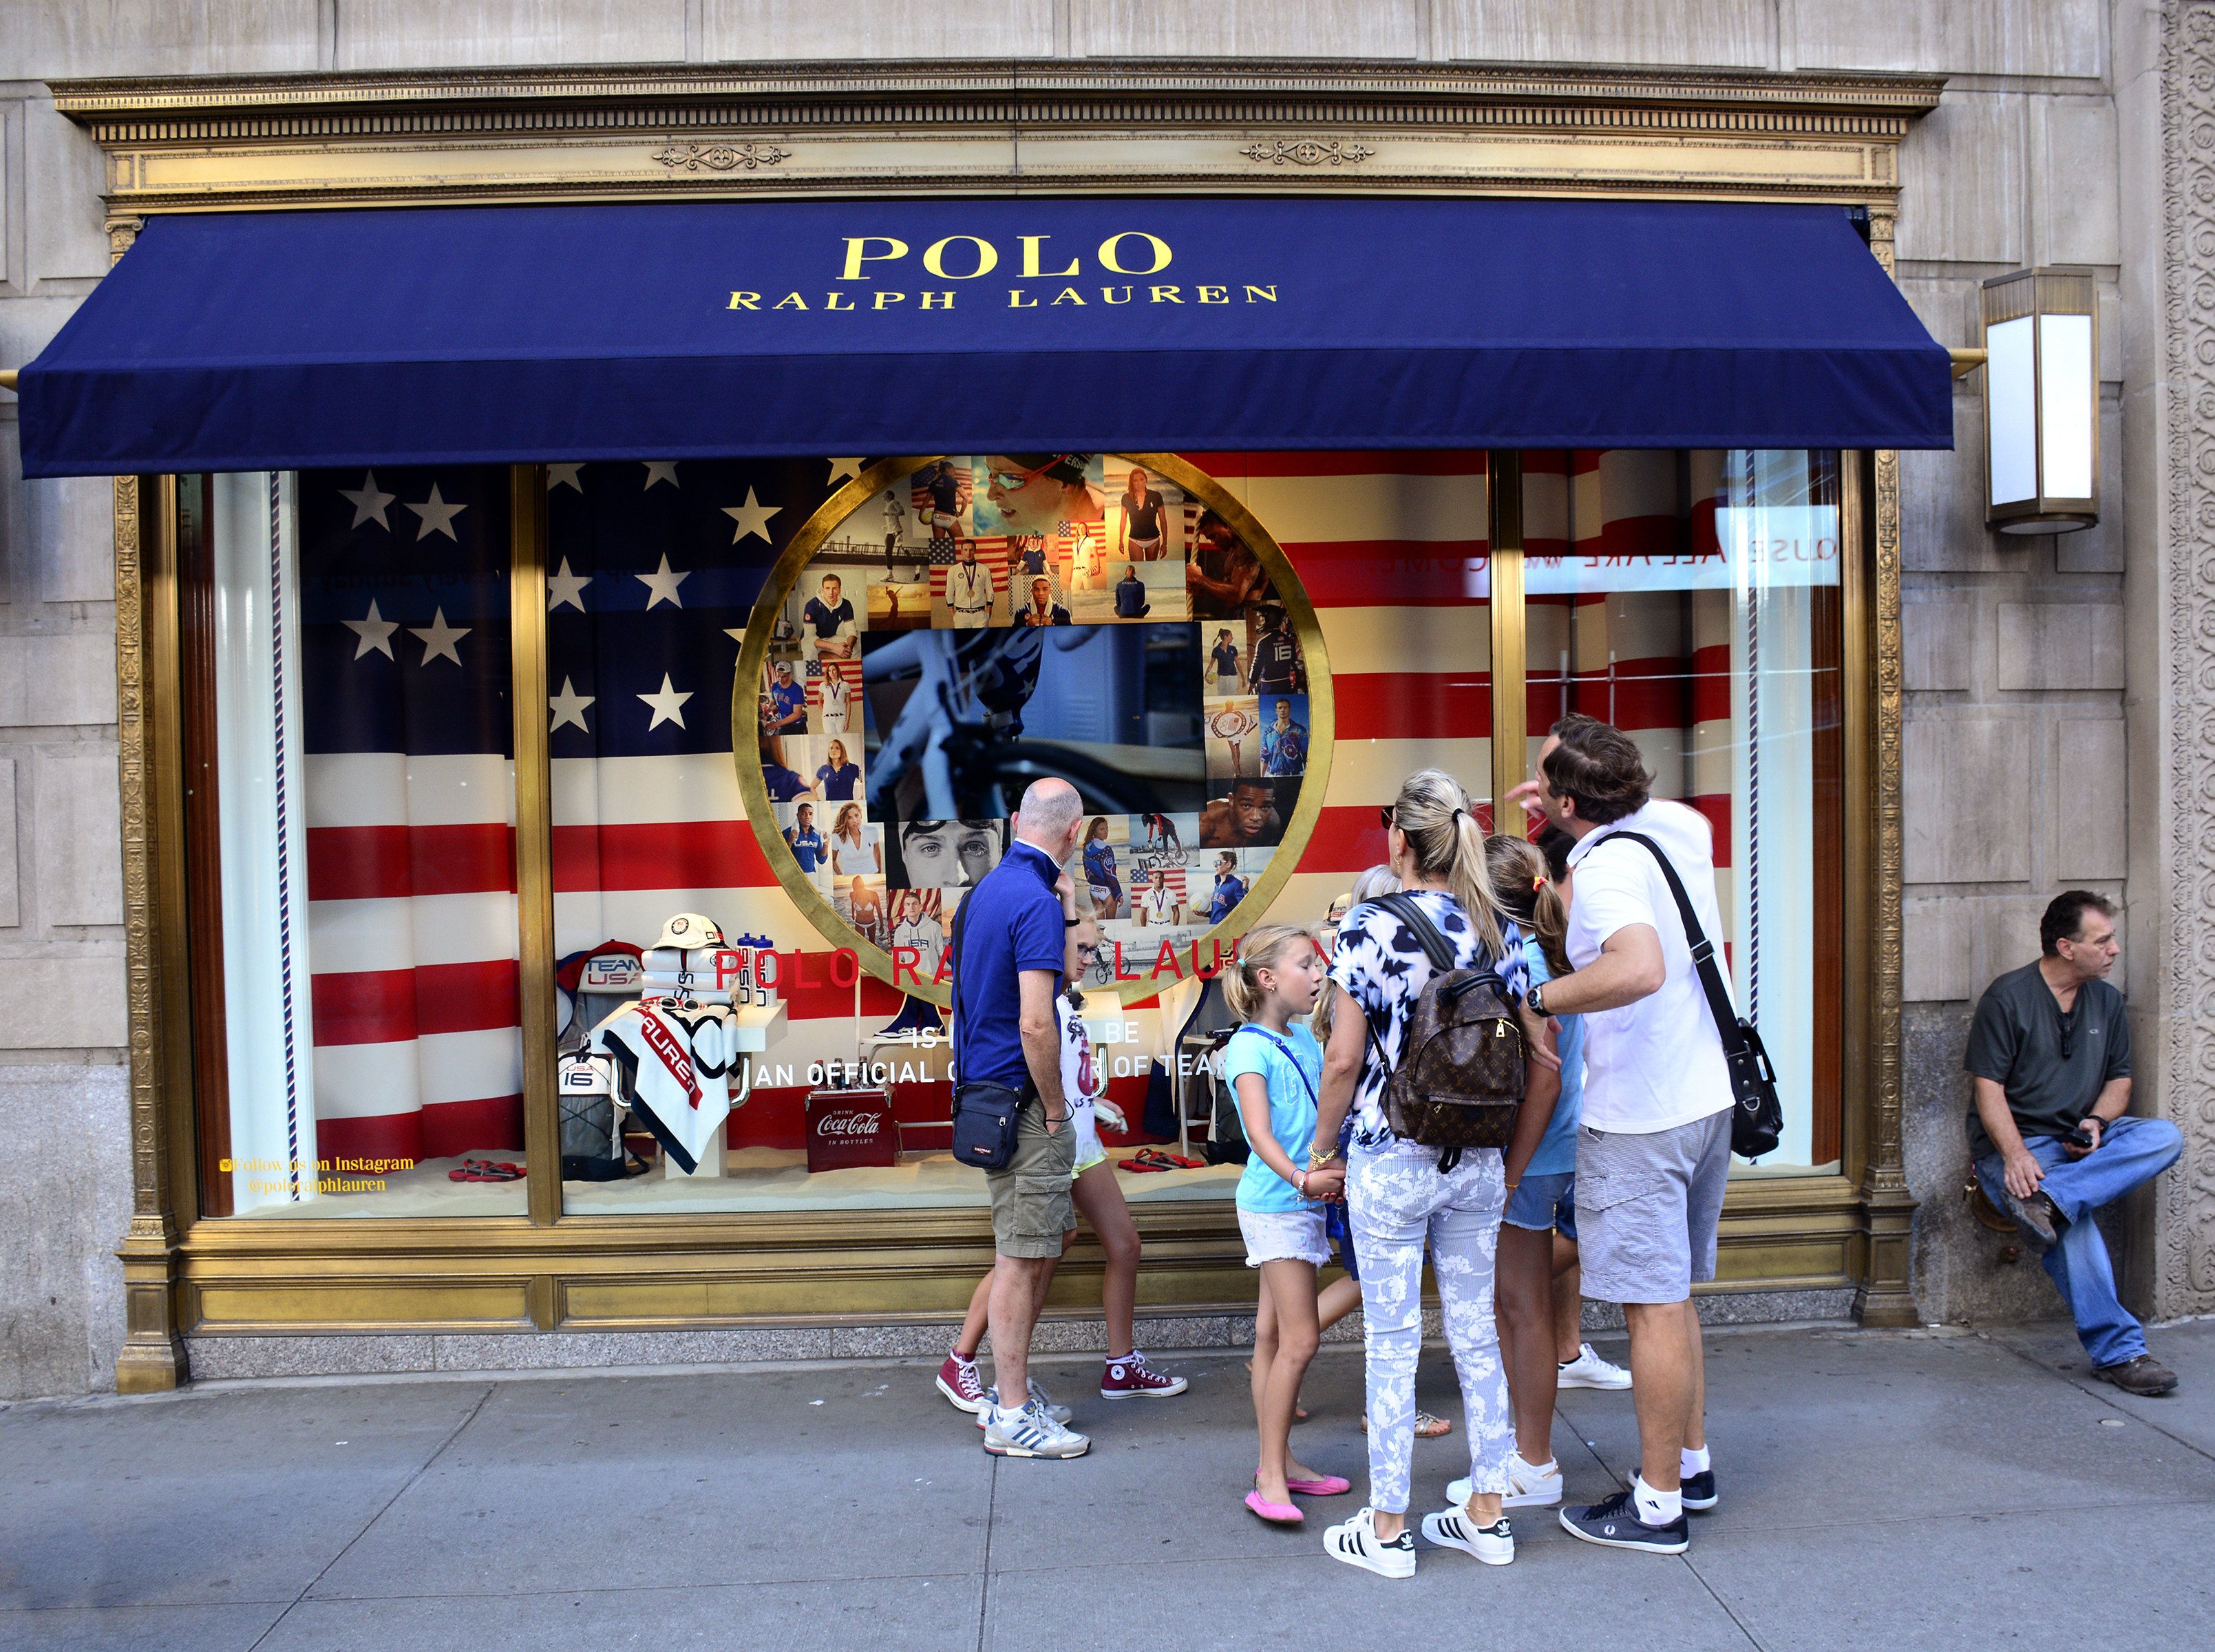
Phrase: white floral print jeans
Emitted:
{"points": [[1397, 1200]]}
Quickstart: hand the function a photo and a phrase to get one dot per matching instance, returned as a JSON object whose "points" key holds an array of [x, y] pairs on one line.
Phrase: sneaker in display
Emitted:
{"points": [[1588, 1370], [1058, 1413], [1131, 1378], [959, 1381], [1527, 1487], [1613, 1523], [1452, 1528], [1698, 1490], [1356, 1543], [1031, 1432]]}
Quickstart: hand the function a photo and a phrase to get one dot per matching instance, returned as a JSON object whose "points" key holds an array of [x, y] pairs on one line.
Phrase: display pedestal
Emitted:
{"points": [[752, 1028]]}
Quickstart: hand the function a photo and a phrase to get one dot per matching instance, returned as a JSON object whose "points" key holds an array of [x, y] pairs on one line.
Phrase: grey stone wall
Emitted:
{"points": [[2030, 711]]}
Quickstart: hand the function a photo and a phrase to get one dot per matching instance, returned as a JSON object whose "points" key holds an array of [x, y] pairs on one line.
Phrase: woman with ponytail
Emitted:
{"points": [[1399, 1199]]}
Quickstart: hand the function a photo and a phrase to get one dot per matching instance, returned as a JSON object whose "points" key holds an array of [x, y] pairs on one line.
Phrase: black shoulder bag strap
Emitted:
{"points": [[1758, 1115]]}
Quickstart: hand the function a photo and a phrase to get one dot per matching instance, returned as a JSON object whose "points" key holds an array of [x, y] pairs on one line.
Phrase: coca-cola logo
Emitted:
{"points": [[849, 1123]]}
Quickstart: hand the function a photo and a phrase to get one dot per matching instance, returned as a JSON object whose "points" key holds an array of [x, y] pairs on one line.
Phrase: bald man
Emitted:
{"points": [[1008, 954]]}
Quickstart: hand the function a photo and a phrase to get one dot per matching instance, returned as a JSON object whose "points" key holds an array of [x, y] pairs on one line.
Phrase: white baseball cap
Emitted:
{"points": [[690, 929]]}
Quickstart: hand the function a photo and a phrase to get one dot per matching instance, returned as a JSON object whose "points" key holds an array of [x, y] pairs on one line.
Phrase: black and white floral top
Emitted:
{"points": [[1382, 964]]}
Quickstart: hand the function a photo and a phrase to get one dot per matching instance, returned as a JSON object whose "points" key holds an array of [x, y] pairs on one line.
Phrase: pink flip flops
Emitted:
{"points": [[1327, 1485], [1275, 1514]]}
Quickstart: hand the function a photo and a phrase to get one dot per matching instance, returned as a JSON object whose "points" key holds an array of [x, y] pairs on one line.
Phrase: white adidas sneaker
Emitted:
{"points": [[1588, 1370], [1356, 1543], [1452, 1528]]}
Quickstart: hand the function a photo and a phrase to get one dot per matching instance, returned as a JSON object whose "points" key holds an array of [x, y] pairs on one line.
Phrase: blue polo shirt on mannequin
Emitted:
{"points": [[1011, 921]]}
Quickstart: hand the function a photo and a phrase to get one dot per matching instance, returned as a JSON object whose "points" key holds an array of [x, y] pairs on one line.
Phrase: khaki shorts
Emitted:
{"points": [[1031, 1205], [1647, 1206]]}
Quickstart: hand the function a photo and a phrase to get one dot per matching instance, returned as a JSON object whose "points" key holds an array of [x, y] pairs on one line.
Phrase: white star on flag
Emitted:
{"points": [[668, 705], [569, 707], [438, 638], [840, 468], [438, 516], [753, 516], [368, 502], [565, 475], [663, 584], [375, 632], [660, 470], [568, 587]]}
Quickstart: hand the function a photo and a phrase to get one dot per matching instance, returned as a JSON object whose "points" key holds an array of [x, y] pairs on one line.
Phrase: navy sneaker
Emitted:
{"points": [[1614, 1524], [1698, 1491]]}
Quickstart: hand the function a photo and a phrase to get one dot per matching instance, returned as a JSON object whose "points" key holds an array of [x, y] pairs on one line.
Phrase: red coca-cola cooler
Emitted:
{"points": [[848, 1129]]}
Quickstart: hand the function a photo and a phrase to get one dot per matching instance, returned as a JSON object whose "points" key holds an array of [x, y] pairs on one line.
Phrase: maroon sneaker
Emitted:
{"points": [[1131, 1379], [959, 1381]]}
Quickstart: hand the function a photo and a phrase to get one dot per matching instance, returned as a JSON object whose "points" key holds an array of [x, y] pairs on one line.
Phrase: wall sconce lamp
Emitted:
{"points": [[2041, 401]]}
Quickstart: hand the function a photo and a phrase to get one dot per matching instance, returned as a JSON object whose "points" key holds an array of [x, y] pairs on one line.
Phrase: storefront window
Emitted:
{"points": [[365, 794], [1692, 598], [790, 705]]}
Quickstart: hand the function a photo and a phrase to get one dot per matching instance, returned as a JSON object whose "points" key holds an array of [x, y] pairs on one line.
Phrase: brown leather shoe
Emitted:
{"points": [[2038, 1218], [2144, 1375]]}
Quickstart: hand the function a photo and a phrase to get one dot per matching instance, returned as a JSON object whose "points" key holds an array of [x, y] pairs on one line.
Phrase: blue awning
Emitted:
{"points": [[498, 334]]}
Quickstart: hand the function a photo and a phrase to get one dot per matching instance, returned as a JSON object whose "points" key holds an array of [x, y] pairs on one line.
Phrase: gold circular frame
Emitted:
{"points": [[753, 791]]}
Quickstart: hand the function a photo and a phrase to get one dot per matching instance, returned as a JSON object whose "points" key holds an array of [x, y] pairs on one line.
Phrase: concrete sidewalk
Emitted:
{"points": [[1880, 1490]]}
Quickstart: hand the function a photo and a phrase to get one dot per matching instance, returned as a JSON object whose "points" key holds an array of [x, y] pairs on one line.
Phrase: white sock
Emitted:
{"points": [[1692, 1459], [1656, 1508]]}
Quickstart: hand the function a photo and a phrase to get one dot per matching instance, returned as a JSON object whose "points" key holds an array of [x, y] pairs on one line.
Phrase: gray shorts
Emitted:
{"points": [[1647, 1209], [1031, 1205]]}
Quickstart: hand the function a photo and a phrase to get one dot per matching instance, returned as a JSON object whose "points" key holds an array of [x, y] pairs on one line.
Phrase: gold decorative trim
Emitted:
{"points": [[753, 791], [1307, 151], [1120, 89], [534, 837]]}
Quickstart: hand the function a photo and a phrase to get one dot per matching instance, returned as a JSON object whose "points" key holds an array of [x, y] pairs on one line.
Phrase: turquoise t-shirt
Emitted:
{"points": [[1557, 1148], [1294, 1083]]}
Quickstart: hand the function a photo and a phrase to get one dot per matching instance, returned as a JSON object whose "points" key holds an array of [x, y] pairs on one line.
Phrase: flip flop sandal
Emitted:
{"points": [[1426, 1425], [1139, 1164], [1155, 1158], [1275, 1514]]}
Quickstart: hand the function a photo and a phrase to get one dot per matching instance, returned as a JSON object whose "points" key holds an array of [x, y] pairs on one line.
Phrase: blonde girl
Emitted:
{"points": [[1098, 1199], [1275, 1066], [1403, 1198]]}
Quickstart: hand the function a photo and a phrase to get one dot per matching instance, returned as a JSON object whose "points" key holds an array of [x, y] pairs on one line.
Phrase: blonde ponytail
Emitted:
{"points": [[1445, 842], [1264, 945]]}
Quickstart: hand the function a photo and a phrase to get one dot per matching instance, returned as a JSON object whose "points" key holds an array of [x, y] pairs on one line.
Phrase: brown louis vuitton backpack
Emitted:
{"points": [[1460, 1078]]}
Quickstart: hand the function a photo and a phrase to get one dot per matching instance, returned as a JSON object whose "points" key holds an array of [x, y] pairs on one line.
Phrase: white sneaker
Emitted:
{"points": [[1356, 1543], [1058, 1413], [1452, 1528], [1527, 1487], [1588, 1370], [1031, 1433]]}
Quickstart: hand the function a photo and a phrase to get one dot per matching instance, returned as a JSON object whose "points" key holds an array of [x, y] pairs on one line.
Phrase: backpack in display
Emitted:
{"points": [[1461, 1074]]}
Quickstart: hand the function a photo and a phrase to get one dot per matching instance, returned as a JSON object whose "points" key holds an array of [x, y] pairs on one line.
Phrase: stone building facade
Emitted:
{"points": [[2059, 693]]}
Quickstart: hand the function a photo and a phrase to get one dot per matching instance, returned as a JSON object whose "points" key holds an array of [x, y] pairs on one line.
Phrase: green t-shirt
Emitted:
{"points": [[2016, 1043]]}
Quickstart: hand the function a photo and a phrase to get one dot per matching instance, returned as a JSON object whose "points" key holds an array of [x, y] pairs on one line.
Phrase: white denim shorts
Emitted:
{"points": [[1283, 1236]]}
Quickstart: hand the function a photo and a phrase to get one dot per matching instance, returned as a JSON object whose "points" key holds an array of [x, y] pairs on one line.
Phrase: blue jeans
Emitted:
{"points": [[2132, 1151]]}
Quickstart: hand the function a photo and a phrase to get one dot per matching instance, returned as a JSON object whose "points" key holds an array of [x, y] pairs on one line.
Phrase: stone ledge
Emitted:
{"points": [[375, 1353]]}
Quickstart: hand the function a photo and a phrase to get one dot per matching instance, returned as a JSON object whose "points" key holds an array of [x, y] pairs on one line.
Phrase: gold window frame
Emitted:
{"points": [[263, 142]]}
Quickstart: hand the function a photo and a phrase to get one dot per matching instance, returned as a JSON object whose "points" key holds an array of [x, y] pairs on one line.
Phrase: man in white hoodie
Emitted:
{"points": [[1653, 1141]]}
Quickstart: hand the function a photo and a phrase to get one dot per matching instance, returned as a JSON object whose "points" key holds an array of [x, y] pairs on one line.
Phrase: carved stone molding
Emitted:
{"points": [[181, 143], [1307, 151], [720, 158], [2185, 1246]]}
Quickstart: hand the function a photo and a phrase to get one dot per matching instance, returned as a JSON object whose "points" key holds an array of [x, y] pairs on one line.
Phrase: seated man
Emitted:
{"points": [[2050, 1054]]}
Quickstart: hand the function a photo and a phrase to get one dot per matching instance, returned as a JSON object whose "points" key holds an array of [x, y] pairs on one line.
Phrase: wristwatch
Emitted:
{"points": [[1536, 998]]}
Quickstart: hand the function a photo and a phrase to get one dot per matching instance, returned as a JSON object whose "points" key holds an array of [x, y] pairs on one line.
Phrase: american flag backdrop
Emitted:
{"points": [[407, 736], [993, 553], [652, 573]]}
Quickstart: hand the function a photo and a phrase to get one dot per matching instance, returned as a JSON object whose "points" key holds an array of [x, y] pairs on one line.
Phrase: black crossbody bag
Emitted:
{"points": [[985, 1115], [1757, 1116]]}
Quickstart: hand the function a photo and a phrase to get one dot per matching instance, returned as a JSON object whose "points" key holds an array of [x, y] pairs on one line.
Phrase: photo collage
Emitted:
{"points": [[990, 618]]}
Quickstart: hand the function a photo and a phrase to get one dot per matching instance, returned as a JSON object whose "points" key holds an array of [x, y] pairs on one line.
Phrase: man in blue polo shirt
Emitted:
{"points": [[1007, 972]]}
